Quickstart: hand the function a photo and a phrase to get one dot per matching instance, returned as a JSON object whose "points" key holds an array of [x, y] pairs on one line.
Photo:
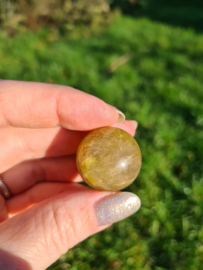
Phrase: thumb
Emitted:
{"points": [[40, 234]]}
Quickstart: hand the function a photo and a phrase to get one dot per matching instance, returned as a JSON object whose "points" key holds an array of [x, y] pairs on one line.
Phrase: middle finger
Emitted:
{"points": [[26, 174], [23, 144]]}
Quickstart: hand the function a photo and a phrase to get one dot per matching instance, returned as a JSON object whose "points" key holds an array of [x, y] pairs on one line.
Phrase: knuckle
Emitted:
{"points": [[63, 227], [68, 226], [19, 142]]}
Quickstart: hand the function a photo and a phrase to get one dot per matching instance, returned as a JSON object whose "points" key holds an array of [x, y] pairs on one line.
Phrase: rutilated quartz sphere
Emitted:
{"points": [[108, 158]]}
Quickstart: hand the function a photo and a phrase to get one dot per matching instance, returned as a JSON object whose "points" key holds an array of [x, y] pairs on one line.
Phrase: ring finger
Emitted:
{"points": [[26, 174]]}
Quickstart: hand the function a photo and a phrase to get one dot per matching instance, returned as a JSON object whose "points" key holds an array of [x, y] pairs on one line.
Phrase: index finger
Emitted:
{"points": [[40, 105]]}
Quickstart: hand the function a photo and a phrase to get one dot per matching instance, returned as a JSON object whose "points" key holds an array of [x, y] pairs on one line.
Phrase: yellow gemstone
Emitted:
{"points": [[108, 158]]}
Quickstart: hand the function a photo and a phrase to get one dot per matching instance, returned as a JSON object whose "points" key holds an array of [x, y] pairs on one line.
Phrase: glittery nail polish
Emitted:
{"points": [[116, 207]]}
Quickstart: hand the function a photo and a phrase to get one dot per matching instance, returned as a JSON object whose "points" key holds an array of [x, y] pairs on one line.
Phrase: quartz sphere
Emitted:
{"points": [[108, 158]]}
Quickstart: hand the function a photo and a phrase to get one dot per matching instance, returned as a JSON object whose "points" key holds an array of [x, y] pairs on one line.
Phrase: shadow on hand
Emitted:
{"points": [[65, 141], [12, 262]]}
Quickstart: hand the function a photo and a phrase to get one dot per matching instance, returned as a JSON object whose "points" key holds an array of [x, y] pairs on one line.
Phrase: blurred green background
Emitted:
{"points": [[145, 58]]}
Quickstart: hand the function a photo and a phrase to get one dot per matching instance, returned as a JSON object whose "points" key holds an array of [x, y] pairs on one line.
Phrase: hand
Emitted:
{"points": [[41, 126]]}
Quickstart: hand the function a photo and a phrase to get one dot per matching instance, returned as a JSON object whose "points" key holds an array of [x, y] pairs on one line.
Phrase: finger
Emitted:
{"points": [[57, 141], [128, 126], [57, 224], [3, 210], [18, 144], [39, 105], [28, 173], [35, 194]]}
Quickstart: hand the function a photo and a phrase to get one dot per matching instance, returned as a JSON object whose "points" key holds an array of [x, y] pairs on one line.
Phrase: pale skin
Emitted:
{"points": [[41, 126]]}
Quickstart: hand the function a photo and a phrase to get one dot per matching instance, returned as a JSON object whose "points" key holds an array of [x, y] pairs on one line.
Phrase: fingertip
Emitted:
{"points": [[116, 206], [129, 126], [135, 123], [121, 115], [85, 112]]}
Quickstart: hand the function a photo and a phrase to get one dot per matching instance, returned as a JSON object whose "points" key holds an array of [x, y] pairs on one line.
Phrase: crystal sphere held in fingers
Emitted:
{"points": [[108, 158]]}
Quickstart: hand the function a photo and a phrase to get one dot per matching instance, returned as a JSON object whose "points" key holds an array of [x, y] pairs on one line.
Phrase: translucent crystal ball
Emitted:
{"points": [[108, 158]]}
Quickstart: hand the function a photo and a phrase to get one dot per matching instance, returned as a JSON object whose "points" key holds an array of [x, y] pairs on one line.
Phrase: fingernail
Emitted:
{"points": [[116, 207], [121, 116], [135, 123]]}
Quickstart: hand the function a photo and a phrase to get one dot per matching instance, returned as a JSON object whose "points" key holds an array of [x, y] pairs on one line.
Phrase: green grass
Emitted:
{"points": [[160, 86]]}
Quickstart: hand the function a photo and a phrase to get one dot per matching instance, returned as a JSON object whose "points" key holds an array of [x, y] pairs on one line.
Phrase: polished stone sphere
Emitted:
{"points": [[108, 158]]}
